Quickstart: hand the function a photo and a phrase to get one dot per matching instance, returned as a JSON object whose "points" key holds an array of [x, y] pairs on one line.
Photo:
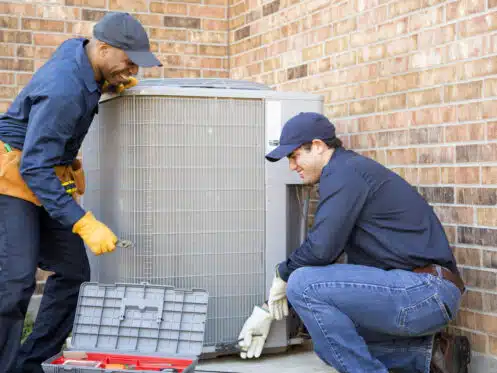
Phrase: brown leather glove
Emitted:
{"points": [[107, 87]]}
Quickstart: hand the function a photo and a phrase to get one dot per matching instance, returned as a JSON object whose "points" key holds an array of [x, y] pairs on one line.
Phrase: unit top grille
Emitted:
{"points": [[204, 83]]}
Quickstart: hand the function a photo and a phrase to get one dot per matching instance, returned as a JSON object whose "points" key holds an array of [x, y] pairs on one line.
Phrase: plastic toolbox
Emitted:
{"points": [[134, 327]]}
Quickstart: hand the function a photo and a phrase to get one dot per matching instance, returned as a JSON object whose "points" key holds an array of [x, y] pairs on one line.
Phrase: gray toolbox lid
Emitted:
{"points": [[143, 319]]}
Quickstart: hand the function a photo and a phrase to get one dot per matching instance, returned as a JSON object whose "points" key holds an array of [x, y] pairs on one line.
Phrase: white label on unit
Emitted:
{"points": [[273, 124]]}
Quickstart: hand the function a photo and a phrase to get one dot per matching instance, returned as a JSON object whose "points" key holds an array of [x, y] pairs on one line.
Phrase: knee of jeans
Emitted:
{"points": [[297, 284]]}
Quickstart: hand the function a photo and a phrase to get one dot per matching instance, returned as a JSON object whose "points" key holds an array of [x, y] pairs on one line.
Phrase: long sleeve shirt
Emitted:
{"points": [[48, 121], [374, 216]]}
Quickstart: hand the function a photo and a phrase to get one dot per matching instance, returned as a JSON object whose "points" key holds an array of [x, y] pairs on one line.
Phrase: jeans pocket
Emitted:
{"points": [[425, 317]]}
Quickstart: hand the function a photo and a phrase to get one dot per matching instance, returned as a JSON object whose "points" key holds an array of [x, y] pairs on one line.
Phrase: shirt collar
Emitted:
{"points": [[86, 69]]}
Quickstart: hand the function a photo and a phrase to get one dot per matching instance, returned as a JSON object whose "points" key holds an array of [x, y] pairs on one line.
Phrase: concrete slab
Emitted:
{"points": [[297, 359]]}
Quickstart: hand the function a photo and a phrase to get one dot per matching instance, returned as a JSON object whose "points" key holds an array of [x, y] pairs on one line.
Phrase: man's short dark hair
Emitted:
{"points": [[333, 143]]}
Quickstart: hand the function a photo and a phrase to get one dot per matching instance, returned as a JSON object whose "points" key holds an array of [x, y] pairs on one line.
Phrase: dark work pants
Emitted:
{"points": [[29, 238]]}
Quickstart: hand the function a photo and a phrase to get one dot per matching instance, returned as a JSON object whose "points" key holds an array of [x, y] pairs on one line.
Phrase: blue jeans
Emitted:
{"points": [[30, 238], [367, 320]]}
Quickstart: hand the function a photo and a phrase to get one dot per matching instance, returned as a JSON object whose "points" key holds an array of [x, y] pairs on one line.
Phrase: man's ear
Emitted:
{"points": [[319, 145], [102, 48]]}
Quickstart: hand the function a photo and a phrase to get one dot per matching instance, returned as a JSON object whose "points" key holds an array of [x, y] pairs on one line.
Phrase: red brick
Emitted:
{"points": [[393, 29], [465, 91], [215, 25], [362, 107], [129, 5], [478, 25], [434, 155], [4, 105], [406, 6], [470, 299], [428, 58], [492, 130], [469, 257], [23, 79], [478, 278], [427, 18], [206, 11], [394, 66], [168, 34], [465, 132], [426, 97], [49, 39], [477, 152], [437, 76], [7, 78], [9, 22], [429, 175], [454, 215], [42, 25], [25, 51], [169, 8], [487, 216], [57, 12], [467, 175], [489, 175], [7, 50], [401, 156], [401, 46], [492, 3], [394, 102], [80, 28], [20, 9], [87, 3], [337, 111], [344, 27], [472, 111], [442, 35], [482, 67], [434, 115], [468, 48], [337, 45], [16, 64], [489, 109], [363, 5], [374, 17], [430, 135], [10, 36], [372, 53], [463, 8]]}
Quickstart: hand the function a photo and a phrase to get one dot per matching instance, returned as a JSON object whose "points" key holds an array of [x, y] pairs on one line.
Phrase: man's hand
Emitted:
{"points": [[99, 238], [278, 304], [254, 333]]}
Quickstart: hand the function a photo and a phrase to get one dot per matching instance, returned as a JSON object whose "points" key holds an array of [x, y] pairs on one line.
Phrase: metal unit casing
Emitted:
{"points": [[177, 166]]}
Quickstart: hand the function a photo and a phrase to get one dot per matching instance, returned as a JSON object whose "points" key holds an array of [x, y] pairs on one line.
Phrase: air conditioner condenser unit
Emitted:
{"points": [[177, 166]]}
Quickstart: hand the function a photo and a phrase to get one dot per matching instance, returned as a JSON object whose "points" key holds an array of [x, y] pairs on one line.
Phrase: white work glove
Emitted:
{"points": [[278, 304], [254, 333]]}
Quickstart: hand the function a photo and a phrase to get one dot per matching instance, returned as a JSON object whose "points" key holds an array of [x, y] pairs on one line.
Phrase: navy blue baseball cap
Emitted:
{"points": [[123, 31], [301, 129]]}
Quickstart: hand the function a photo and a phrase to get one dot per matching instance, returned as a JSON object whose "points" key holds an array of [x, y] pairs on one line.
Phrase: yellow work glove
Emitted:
{"points": [[99, 238], [121, 87]]}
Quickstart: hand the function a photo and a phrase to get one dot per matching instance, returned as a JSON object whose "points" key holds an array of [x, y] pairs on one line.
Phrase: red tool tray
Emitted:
{"points": [[154, 364]]}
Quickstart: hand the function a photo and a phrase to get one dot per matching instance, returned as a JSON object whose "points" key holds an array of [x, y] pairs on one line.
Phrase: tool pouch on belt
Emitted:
{"points": [[12, 183]]}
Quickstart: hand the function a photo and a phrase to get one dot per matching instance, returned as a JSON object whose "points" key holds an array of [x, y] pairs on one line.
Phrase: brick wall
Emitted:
{"points": [[190, 37], [411, 83]]}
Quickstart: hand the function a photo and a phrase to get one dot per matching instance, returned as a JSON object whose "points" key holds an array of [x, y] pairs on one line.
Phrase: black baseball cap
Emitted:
{"points": [[123, 31], [301, 129]]}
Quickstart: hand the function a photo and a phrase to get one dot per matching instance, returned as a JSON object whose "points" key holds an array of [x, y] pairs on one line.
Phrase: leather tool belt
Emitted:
{"points": [[12, 184], [442, 272]]}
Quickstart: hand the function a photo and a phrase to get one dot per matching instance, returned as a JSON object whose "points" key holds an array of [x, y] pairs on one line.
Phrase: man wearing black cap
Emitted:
{"points": [[400, 284], [41, 224]]}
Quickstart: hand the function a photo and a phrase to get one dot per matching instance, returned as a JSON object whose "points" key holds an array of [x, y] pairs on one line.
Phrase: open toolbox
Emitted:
{"points": [[134, 327]]}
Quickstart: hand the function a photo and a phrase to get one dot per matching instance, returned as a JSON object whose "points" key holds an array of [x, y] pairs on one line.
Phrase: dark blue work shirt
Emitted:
{"points": [[374, 216], [48, 121]]}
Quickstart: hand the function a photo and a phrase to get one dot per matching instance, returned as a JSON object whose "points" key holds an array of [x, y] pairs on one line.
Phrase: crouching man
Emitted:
{"points": [[400, 285]]}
